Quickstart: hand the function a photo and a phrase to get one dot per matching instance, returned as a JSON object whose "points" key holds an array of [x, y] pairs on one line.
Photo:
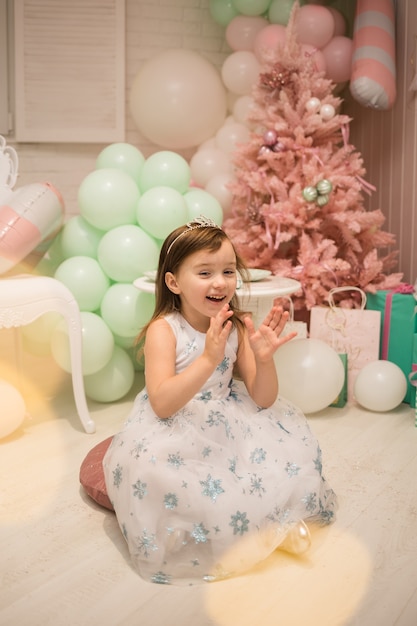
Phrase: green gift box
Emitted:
{"points": [[398, 328], [412, 377], [342, 398]]}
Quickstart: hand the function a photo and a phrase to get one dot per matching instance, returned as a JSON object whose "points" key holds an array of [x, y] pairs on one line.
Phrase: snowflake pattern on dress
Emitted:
{"points": [[187, 489]]}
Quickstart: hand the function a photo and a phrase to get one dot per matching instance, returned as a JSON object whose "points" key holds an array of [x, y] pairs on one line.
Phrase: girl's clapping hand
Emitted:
{"points": [[266, 340], [218, 333]]}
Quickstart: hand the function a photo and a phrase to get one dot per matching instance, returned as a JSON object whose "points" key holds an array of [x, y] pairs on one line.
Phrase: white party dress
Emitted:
{"points": [[212, 490]]}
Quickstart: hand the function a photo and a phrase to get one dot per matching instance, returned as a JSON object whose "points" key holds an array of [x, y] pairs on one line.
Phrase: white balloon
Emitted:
{"points": [[310, 373], [380, 386], [207, 163], [242, 109], [13, 409], [230, 135], [209, 144], [218, 186], [229, 120], [231, 99], [240, 71], [177, 99]]}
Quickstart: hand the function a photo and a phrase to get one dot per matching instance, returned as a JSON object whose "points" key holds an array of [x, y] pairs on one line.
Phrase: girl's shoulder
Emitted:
{"points": [[166, 321]]}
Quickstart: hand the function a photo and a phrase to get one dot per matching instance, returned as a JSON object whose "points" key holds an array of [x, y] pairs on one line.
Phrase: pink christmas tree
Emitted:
{"points": [[298, 196]]}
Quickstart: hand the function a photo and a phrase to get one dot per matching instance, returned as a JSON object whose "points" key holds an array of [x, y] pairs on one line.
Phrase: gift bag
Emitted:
{"points": [[292, 326], [398, 328], [354, 332]]}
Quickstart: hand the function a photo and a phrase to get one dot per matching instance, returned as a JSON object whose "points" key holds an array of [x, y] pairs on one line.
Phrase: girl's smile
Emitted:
{"points": [[205, 282]]}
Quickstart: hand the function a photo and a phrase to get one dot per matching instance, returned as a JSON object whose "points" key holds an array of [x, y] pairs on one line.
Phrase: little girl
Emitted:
{"points": [[212, 471]]}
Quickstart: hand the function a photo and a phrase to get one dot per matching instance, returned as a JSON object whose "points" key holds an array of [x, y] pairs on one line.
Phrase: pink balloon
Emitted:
{"points": [[339, 21], [317, 56], [338, 58], [314, 25], [242, 30], [268, 40]]}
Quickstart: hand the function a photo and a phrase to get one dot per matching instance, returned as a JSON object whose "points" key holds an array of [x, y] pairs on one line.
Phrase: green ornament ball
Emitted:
{"points": [[310, 193], [322, 200], [324, 186]]}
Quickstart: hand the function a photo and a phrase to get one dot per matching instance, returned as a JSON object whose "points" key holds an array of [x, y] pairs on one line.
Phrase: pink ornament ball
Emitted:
{"points": [[270, 137]]}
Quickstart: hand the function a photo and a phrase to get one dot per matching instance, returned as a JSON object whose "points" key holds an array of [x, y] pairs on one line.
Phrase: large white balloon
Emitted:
{"points": [[380, 386], [177, 99], [310, 373]]}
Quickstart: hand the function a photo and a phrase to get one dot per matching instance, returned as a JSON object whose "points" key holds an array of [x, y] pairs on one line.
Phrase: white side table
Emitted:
{"points": [[255, 297], [24, 298]]}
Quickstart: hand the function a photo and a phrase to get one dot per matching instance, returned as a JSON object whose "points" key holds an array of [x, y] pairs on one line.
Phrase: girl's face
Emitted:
{"points": [[205, 282]]}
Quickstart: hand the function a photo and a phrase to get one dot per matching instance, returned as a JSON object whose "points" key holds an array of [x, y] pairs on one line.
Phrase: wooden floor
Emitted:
{"points": [[63, 561]]}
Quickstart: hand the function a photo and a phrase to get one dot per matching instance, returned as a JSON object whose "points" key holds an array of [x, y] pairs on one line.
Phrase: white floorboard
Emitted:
{"points": [[64, 562]]}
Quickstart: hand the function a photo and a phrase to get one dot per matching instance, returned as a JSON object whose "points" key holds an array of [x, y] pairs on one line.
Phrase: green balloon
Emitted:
{"points": [[161, 210], [113, 381], [79, 238], [85, 279], [108, 198], [167, 169], [251, 7], [201, 202], [222, 11], [97, 344], [279, 11], [126, 310], [126, 252], [122, 156], [124, 342]]}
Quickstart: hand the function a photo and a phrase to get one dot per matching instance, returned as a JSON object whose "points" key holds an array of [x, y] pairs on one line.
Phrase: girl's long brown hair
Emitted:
{"points": [[173, 254]]}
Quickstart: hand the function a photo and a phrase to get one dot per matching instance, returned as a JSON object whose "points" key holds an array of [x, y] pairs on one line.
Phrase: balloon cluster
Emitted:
{"points": [[128, 205], [259, 27], [179, 100], [311, 375], [253, 31]]}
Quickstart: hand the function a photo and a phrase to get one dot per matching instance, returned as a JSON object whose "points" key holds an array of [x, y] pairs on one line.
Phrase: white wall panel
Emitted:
{"points": [[70, 70]]}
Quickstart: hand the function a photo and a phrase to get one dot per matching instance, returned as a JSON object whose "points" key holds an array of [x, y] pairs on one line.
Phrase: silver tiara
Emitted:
{"points": [[198, 222]]}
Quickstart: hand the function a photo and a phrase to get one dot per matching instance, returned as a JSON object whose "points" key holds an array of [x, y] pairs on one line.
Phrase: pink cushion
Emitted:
{"points": [[92, 475]]}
